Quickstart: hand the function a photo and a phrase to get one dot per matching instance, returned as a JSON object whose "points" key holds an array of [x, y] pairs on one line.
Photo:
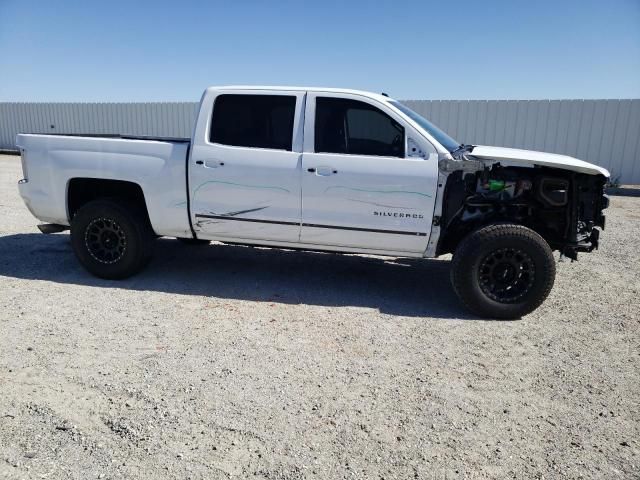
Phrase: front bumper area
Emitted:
{"points": [[588, 218]]}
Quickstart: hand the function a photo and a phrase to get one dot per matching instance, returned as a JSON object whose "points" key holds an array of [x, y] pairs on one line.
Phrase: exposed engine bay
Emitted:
{"points": [[564, 207]]}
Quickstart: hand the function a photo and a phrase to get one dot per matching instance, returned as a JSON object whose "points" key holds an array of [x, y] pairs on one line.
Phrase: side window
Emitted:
{"points": [[261, 121], [353, 127]]}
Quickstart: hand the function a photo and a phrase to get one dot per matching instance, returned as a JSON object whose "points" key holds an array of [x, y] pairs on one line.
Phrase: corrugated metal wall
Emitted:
{"points": [[172, 119], [605, 132]]}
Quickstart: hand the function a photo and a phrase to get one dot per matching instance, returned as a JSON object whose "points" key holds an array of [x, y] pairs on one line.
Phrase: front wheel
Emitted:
{"points": [[503, 271], [112, 239]]}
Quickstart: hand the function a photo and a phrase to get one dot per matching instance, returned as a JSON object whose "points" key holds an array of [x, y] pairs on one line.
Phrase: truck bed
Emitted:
{"points": [[156, 164]]}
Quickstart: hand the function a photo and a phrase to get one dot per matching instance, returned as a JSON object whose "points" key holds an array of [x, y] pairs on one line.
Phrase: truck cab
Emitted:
{"points": [[332, 169]]}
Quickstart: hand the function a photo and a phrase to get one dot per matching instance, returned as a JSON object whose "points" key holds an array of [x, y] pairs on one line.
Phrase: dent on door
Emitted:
{"points": [[257, 198], [399, 202], [251, 194], [391, 207]]}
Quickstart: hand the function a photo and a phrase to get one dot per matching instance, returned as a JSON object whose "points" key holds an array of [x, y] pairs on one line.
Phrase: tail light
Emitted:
{"points": [[23, 161]]}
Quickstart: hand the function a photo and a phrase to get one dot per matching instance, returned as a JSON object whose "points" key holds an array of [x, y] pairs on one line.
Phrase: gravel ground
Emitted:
{"points": [[233, 362]]}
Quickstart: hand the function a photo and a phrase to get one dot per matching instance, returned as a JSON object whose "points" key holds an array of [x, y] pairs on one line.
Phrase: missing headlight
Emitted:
{"points": [[553, 191]]}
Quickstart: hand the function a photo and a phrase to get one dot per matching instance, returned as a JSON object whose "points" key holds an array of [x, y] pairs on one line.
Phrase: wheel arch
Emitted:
{"points": [[82, 190], [451, 240]]}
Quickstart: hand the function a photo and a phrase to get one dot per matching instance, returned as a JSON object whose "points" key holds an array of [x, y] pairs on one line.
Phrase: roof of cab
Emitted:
{"points": [[376, 96]]}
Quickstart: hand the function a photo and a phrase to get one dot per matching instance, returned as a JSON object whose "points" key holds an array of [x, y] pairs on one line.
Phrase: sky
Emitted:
{"points": [[114, 50]]}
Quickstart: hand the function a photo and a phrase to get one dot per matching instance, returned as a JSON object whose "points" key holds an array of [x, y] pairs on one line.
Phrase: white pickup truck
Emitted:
{"points": [[321, 169]]}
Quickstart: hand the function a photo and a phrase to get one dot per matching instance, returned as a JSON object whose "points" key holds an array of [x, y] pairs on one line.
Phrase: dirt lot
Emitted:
{"points": [[232, 362]]}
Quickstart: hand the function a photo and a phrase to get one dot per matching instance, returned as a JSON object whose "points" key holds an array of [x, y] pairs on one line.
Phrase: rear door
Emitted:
{"points": [[244, 175], [360, 187]]}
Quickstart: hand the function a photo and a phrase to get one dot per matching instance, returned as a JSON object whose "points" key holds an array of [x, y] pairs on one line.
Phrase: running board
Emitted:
{"points": [[52, 228]]}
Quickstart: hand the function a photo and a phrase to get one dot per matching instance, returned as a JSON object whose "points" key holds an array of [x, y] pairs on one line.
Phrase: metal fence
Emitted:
{"points": [[605, 132], [171, 119]]}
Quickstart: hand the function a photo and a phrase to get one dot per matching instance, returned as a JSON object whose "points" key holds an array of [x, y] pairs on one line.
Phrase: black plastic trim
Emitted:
{"points": [[120, 136], [186, 175], [312, 225], [52, 228], [372, 230], [226, 217]]}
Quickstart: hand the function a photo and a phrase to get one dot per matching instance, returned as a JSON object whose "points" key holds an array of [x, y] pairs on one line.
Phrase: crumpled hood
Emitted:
{"points": [[543, 159]]}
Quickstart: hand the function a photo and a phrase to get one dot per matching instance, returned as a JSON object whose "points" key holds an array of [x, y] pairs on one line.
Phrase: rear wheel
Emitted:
{"points": [[112, 239], [503, 271]]}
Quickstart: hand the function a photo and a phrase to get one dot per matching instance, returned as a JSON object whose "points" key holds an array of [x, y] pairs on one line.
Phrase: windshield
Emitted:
{"points": [[445, 140]]}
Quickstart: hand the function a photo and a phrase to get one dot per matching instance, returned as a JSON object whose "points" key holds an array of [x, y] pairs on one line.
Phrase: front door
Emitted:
{"points": [[360, 189], [244, 177]]}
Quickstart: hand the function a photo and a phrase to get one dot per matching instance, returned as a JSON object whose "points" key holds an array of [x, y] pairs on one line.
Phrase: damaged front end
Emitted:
{"points": [[565, 207], [587, 201]]}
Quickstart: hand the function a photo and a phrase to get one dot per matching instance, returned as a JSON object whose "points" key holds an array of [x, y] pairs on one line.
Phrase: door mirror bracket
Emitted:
{"points": [[414, 150]]}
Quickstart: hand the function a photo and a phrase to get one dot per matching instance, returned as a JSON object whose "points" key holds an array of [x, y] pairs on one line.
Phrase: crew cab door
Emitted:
{"points": [[360, 188], [244, 171]]}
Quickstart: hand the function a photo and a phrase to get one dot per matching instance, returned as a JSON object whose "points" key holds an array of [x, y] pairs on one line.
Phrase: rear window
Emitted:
{"points": [[259, 121]]}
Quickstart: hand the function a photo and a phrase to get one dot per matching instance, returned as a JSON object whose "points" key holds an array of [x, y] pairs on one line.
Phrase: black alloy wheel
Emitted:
{"points": [[507, 274], [105, 240]]}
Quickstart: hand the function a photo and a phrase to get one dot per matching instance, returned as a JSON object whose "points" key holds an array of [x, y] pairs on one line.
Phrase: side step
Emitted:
{"points": [[52, 228]]}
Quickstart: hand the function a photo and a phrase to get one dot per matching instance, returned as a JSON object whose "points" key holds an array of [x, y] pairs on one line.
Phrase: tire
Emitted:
{"points": [[503, 271], [112, 239], [193, 241]]}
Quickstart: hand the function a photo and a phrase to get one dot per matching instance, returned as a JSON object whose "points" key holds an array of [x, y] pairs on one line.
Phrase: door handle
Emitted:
{"points": [[210, 163], [325, 171]]}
